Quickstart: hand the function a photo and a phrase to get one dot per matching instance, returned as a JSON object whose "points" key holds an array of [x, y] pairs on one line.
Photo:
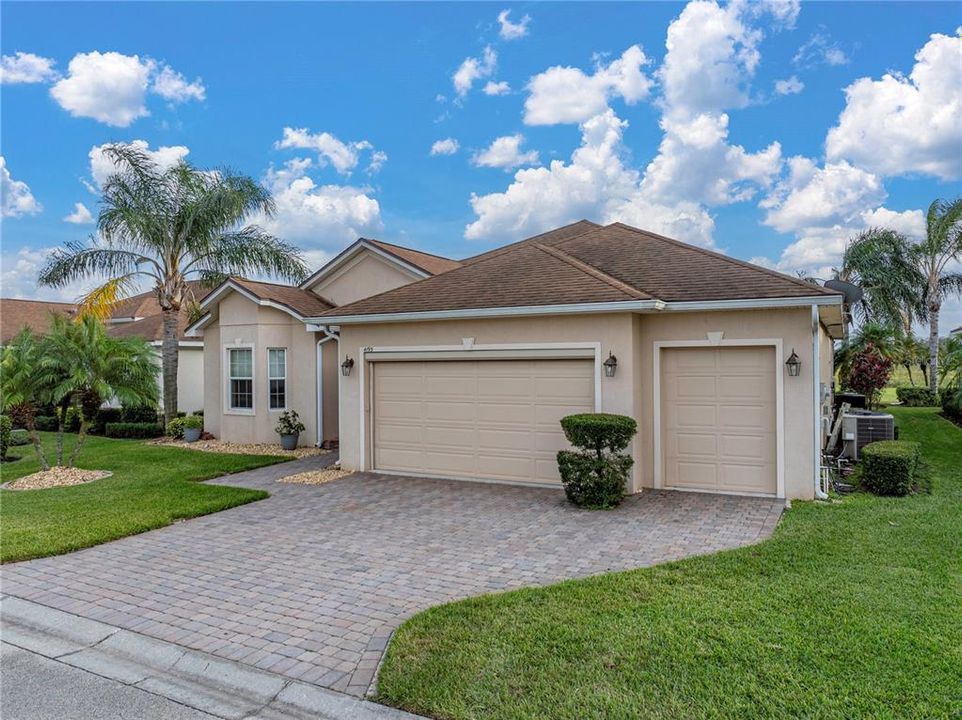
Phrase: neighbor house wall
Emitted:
{"points": [[615, 333], [364, 275], [190, 379], [241, 322], [792, 326]]}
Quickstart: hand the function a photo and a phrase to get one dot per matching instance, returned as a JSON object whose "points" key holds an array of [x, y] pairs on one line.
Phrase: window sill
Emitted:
{"points": [[237, 411]]}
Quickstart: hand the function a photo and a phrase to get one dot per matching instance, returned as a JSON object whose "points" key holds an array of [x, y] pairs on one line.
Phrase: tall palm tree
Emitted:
{"points": [[169, 226], [83, 366], [942, 245], [21, 387]]}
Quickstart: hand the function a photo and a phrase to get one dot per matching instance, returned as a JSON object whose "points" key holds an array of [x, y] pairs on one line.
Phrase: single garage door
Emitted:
{"points": [[487, 419], [718, 419]]}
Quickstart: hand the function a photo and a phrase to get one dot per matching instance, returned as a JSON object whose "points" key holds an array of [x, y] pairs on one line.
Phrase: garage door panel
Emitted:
{"points": [[490, 419], [718, 419]]}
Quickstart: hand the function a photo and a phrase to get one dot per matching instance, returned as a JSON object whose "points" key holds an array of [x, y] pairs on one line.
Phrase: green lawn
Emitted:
{"points": [[151, 487], [851, 610]]}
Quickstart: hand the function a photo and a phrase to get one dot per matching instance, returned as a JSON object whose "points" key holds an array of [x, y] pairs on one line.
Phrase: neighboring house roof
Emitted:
{"points": [[15, 314], [956, 331], [584, 263], [141, 315], [303, 302], [145, 304]]}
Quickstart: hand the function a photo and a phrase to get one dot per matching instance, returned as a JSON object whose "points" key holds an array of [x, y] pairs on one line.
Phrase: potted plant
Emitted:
{"points": [[193, 427], [289, 427]]}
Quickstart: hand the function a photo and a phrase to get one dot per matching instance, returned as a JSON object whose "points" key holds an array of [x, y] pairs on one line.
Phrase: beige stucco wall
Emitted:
{"points": [[364, 275], [631, 338], [242, 322]]}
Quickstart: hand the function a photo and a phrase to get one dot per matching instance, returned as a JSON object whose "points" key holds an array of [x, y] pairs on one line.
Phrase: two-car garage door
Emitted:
{"points": [[488, 419]]}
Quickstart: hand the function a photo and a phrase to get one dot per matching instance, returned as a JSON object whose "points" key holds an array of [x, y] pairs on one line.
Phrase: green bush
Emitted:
{"points": [[175, 428], [19, 437], [137, 430], [104, 416], [6, 429], [595, 475], [143, 414], [193, 421], [916, 397], [951, 402], [46, 423], [889, 466], [72, 421]]}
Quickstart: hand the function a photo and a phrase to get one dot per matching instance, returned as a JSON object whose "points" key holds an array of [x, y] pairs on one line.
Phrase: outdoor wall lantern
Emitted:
{"points": [[794, 364], [611, 364], [347, 366]]}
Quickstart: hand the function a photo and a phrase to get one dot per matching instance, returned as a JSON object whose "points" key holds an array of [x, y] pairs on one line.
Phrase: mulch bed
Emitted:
{"points": [[231, 448], [56, 477], [316, 477]]}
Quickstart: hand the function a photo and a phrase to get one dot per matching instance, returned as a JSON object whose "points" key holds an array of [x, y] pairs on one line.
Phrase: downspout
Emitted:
{"points": [[319, 409], [820, 494]]}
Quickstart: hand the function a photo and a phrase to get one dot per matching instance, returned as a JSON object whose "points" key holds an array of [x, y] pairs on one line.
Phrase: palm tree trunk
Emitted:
{"points": [[934, 348], [81, 436], [169, 361], [908, 367], [37, 447], [61, 427]]}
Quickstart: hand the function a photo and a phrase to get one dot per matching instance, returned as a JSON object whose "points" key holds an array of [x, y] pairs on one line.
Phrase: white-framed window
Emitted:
{"points": [[240, 378], [277, 378]]}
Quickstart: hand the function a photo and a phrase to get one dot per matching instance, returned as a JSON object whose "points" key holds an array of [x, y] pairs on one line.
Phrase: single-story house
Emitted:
{"points": [[424, 366], [137, 316]]}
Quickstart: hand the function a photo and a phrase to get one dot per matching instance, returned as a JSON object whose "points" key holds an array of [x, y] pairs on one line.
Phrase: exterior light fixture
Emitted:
{"points": [[611, 364], [794, 364], [347, 366]]}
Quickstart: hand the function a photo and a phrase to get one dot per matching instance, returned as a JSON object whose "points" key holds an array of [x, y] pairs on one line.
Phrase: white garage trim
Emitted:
{"points": [[779, 402], [466, 351]]}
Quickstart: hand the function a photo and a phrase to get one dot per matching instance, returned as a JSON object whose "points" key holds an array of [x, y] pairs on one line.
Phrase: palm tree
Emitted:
{"points": [[169, 226], [21, 386], [880, 261], [881, 337], [906, 280], [942, 245], [83, 366]]}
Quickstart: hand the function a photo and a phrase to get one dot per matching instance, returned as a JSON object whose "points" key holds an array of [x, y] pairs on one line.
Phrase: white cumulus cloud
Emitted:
{"points": [[447, 146], [497, 88], [17, 200], [171, 85], [474, 69], [505, 152], [594, 183], [789, 86], [819, 49], [569, 95], [80, 215], [342, 156], [510, 30], [318, 217], [24, 67], [18, 277], [898, 125]]}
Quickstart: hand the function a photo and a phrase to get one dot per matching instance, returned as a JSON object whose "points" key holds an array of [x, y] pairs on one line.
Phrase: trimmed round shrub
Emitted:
{"points": [[595, 475], [916, 397], [19, 437], [889, 466]]}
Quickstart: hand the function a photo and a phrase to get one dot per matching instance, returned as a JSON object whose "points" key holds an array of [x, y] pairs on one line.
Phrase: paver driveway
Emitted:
{"points": [[311, 582]]}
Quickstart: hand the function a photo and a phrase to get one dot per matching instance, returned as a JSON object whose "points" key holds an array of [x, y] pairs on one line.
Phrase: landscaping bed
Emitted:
{"points": [[150, 487], [232, 448], [56, 477], [849, 610], [316, 477]]}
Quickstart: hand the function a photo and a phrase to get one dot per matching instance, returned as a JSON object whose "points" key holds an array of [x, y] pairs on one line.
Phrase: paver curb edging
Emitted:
{"points": [[220, 687]]}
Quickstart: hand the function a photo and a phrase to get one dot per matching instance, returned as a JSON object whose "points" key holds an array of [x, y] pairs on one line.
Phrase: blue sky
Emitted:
{"points": [[770, 131]]}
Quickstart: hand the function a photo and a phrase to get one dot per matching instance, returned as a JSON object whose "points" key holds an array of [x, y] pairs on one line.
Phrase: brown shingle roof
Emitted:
{"points": [[303, 302], [586, 263], [34, 314], [433, 264]]}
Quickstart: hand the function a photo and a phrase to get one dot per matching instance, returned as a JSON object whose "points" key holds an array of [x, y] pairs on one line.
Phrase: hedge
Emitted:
{"points": [[46, 423], [889, 466], [916, 397], [146, 414], [6, 430], [134, 430], [19, 437], [951, 401]]}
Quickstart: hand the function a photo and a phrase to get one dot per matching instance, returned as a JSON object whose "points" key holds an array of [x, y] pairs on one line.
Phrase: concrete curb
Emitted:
{"points": [[220, 687]]}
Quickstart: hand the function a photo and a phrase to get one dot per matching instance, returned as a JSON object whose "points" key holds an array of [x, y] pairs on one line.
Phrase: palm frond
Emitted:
{"points": [[101, 301], [252, 251]]}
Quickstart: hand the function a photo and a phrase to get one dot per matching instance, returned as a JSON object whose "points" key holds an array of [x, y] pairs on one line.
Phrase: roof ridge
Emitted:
{"points": [[524, 242], [593, 272], [265, 282], [38, 300], [722, 256]]}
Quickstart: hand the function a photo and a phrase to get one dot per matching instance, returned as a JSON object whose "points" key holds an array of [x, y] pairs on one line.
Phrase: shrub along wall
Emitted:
{"points": [[951, 401], [134, 430], [916, 397], [889, 466]]}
